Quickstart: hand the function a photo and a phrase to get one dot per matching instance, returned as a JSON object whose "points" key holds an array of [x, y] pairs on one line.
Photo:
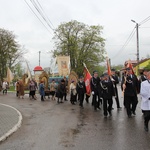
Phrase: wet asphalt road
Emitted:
{"points": [[51, 126]]}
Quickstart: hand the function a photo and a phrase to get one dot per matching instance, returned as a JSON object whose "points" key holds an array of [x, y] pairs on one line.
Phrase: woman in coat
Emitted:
{"points": [[41, 90], [32, 89], [53, 89], [61, 91], [73, 93], [21, 90]]}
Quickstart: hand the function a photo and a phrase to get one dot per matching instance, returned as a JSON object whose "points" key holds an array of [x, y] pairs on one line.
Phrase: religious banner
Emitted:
{"points": [[10, 75], [63, 65]]}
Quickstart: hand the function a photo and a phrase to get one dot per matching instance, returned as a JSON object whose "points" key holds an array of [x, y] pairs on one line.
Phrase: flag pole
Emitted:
{"points": [[86, 67]]}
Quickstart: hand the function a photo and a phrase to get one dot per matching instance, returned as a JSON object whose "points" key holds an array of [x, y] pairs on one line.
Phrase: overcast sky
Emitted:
{"points": [[114, 15]]}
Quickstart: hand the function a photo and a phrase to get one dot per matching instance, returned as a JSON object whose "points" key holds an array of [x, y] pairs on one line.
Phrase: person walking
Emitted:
{"points": [[145, 104], [107, 94], [60, 91], [21, 89], [42, 90], [81, 90], [53, 89], [115, 81], [130, 87], [36, 87], [17, 86], [143, 77], [66, 89], [5, 87], [73, 93], [32, 89], [95, 86]]}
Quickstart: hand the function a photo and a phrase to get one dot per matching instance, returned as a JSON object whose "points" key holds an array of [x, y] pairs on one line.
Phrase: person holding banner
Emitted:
{"points": [[115, 82], [130, 88]]}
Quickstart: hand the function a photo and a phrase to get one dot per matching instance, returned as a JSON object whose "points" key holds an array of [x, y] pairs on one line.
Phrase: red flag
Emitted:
{"points": [[108, 67], [87, 78]]}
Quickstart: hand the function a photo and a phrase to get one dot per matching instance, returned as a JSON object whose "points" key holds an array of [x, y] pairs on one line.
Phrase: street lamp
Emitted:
{"points": [[137, 38]]}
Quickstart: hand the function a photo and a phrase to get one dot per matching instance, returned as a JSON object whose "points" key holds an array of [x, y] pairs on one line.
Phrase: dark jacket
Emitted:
{"points": [[95, 84], [60, 90], [141, 79], [115, 82], [132, 85], [107, 89], [81, 88]]}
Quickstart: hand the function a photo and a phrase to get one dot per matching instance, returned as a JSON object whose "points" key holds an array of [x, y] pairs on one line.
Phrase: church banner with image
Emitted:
{"points": [[63, 65]]}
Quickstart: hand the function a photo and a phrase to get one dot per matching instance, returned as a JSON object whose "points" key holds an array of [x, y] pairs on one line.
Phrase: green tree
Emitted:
{"points": [[18, 71], [118, 67], [10, 51], [81, 42], [100, 69]]}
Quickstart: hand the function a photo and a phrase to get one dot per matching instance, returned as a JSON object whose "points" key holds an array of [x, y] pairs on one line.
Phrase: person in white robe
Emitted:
{"points": [[145, 104]]}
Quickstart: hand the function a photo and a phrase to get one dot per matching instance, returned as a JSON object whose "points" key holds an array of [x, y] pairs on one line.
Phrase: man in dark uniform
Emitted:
{"points": [[115, 82], [107, 93], [66, 85], [81, 90], [95, 86], [130, 87]]}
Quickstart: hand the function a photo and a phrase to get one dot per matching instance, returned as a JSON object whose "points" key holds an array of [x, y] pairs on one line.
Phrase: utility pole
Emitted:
{"points": [[137, 40], [39, 57]]}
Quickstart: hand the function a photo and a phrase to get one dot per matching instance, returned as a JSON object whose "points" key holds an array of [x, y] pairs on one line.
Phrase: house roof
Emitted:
{"points": [[141, 61], [38, 68]]}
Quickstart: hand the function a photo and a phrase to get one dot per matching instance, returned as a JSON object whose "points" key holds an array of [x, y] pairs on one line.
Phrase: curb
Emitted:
{"points": [[15, 128]]}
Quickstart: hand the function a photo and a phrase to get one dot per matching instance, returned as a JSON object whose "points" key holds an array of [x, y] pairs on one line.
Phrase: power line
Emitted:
{"points": [[144, 21], [36, 15], [46, 19], [45, 14], [126, 43], [40, 13], [130, 36]]}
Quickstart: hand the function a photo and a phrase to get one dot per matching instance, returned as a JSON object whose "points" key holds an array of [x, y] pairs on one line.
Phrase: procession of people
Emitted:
{"points": [[103, 92]]}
